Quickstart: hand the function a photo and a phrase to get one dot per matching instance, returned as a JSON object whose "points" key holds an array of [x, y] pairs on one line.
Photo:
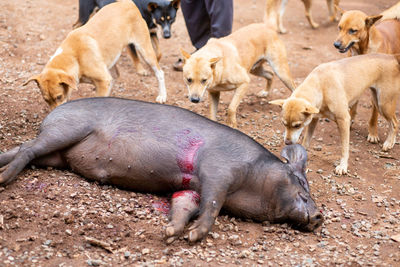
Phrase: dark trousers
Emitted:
{"points": [[207, 18]]}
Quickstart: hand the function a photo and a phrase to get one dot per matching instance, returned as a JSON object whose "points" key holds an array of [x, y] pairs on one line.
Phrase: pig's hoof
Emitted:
{"points": [[170, 231], [161, 99], [170, 240], [197, 234]]}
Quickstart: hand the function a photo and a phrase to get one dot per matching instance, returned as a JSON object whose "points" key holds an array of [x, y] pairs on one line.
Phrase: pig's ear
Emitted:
{"points": [[296, 155], [278, 102]]}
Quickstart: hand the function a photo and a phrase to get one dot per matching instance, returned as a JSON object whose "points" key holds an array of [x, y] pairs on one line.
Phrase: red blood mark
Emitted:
{"points": [[189, 144], [194, 196], [162, 206]]}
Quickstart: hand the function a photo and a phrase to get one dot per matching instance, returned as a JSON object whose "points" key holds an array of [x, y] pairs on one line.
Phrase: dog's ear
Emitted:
{"points": [[152, 6], [369, 21], [278, 102], [68, 80], [175, 3], [341, 11], [214, 61], [35, 78], [309, 109], [185, 55]]}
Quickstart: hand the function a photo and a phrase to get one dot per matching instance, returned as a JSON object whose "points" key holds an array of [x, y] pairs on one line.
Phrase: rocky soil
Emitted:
{"points": [[57, 218]]}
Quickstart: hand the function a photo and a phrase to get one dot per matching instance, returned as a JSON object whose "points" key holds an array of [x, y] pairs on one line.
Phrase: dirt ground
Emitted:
{"points": [[46, 216]]}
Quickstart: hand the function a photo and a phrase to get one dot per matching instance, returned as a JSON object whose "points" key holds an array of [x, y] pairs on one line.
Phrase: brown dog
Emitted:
{"points": [[358, 35], [332, 88], [276, 8], [224, 64], [89, 52]]}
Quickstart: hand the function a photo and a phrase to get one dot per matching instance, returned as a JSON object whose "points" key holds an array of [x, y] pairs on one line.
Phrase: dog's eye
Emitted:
{"points": [[203, 81], [59, 97], [352, 31], [340, 28], [189, 80], [296, 126]]}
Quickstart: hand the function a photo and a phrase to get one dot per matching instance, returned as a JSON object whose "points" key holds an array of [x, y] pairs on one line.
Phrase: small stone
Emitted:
{"points": [[145, 251]]}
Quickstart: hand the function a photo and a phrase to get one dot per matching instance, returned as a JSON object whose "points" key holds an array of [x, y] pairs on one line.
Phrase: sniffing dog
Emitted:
{"points": [[154, 12], [331, 89], [224, 64], [276, 8], [89, 52]]}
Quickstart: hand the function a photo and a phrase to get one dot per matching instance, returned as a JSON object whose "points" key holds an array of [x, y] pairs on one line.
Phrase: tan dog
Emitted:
{"points": [[224, 64], [358, 35], [89, 52], [276, 8], [332, 88]]}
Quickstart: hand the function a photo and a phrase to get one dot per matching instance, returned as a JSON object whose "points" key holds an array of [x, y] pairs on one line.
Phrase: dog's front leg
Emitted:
{"points": [[156, 45], [103, 85], [307, 6], [343, 123], [214, 100], [309, 132], [239, 93]]}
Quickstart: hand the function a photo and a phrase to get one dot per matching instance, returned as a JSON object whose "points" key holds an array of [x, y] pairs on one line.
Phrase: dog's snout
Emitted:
{"points": [[166, 34], [337, 44], [288, 142], [195, 99]]}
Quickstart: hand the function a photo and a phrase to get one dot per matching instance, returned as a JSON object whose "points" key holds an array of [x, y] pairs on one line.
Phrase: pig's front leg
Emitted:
{"points": [[184, 205], [212, 199]]}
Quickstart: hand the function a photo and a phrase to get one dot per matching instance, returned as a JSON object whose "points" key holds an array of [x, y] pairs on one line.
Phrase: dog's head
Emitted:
{"points": [[55, 86], [198, 74], [353, 28], [296, 114], [164, 13]]}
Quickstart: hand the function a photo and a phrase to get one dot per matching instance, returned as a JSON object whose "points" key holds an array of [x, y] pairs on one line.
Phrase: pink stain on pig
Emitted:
{"points": [[188, 144], [194, 196]]}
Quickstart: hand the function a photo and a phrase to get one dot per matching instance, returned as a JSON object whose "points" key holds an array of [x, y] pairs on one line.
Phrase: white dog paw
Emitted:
{"points": [[161, 99], [341, 169], [388, 145]]}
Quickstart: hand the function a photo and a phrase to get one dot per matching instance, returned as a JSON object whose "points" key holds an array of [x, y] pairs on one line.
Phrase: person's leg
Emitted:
{"points": [[220, 13], [197, 21]]}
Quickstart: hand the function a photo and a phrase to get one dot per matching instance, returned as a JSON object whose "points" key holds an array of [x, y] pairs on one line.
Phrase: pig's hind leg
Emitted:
{"points": [[44, 149], [184, 205]]}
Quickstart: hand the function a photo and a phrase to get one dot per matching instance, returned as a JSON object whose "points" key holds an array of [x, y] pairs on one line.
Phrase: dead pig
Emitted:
{"points": [[156, 148]]}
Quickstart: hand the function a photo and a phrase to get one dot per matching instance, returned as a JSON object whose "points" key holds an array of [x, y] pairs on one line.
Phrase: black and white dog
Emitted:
{"points": [[161, 12]]}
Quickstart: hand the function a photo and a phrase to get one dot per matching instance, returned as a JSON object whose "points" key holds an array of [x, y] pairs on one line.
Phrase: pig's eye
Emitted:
{"points": [[302, 183]]}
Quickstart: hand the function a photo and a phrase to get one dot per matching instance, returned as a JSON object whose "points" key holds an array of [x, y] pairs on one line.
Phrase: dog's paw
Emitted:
{"points": [[143, 72], [282, 30], [262, 93], [341, 169], [373, 138], [161, 99], [388, 145]]}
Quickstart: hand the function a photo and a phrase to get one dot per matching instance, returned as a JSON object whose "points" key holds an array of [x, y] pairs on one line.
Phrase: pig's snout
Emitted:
{"points": [[195, 99], [316, 220]]}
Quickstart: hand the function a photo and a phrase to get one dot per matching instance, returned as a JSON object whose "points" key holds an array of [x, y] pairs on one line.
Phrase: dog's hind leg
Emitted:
{"points": [[389, 112], [277, 59], [281, 11], [143, 45], [259, 71], [136, 61], [307, 6], [373, 121]]}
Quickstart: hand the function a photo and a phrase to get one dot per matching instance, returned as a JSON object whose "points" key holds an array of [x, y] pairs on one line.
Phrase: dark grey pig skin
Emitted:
{"points": [[155, 148]]}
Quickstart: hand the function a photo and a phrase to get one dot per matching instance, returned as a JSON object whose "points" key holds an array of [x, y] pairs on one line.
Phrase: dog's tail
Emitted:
{"points": [[392, 12], [271, 13]]}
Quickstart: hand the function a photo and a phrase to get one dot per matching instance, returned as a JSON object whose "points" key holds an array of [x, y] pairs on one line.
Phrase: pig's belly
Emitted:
{"points": [[138, 165]]}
